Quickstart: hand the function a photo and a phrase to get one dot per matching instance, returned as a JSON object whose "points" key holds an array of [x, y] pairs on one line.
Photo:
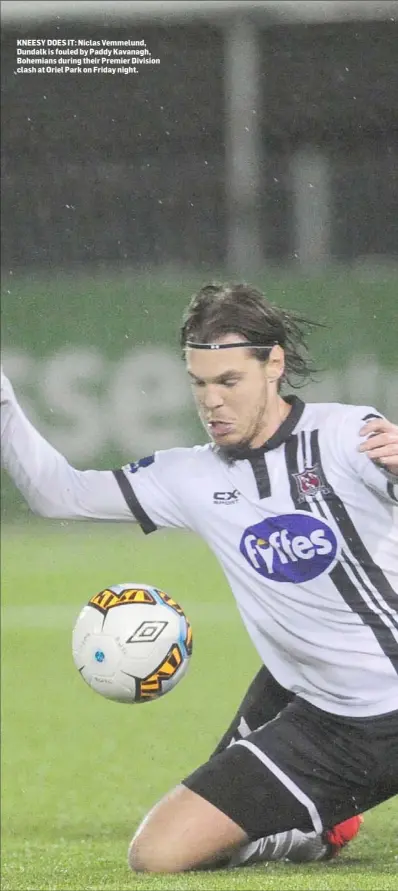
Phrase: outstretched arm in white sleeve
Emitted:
{"points": [[47, 481]]}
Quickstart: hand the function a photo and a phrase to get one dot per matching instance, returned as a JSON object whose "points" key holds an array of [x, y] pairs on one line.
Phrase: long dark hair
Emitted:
{"points": [[219, 309]]}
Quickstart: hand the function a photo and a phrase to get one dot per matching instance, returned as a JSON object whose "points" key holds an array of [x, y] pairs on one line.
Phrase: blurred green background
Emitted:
{"points": [[95, 361]]}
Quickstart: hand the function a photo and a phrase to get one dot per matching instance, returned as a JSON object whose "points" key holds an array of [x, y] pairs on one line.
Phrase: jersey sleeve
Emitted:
{"points": [[156, 489], [374, 475], [55, 489]]}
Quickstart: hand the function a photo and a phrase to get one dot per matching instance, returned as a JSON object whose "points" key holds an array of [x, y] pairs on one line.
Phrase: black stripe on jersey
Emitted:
{"points": [[390, 490], [371, 416], [362, 608], [339, 575], [353, 539], [291, 450], [370, 618], [374, 615], [306, 456], [147, 525], [261, 475]]}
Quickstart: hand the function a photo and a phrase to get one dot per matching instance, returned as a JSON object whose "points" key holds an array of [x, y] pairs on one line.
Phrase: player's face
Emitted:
{"points": [[234, 392]]}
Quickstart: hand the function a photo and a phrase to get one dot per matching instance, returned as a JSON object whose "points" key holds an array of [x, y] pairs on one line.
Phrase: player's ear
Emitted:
{"points": [[276, 364]]}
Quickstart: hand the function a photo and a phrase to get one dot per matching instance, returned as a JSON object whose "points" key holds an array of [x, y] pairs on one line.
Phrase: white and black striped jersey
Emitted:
{"points": [[305, 529]]}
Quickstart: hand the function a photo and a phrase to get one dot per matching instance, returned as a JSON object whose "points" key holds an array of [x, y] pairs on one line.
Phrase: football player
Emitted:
{"points": [[299, 504]]}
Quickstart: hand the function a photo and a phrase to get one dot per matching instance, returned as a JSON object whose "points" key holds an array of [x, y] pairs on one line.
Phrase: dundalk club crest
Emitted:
{"points": [[311, 482]]}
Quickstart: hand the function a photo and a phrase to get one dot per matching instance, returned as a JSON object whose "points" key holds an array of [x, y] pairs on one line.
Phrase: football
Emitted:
{"points": [[132, 643]]}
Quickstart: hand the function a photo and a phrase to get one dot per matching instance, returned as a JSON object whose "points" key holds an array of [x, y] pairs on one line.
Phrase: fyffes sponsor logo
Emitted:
{"points": [[290, 548]]}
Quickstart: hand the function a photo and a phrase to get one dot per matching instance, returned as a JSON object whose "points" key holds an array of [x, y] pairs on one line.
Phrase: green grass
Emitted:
{"points": [[79, 772]]}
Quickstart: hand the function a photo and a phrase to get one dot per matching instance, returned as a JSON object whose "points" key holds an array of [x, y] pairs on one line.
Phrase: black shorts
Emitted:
{"points": [[304, 768]]}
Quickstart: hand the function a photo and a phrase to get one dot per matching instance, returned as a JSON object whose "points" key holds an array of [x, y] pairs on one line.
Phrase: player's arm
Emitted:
{"points": [[53, 488], [371, 444], [381, 444]]}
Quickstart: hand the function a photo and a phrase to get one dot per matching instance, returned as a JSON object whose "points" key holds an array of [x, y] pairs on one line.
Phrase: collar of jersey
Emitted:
{"points": [[281, 434]]}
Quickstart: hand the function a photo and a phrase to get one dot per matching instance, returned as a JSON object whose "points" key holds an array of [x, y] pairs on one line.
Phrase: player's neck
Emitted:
{"points": [[277, 412]]}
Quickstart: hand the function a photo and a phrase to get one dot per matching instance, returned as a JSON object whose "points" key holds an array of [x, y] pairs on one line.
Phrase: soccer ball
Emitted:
{"points": [[132, 643]]}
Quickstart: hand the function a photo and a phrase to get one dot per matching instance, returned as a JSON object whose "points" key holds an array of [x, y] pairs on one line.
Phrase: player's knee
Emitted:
{"points": [[139, 859], [145, 855]]}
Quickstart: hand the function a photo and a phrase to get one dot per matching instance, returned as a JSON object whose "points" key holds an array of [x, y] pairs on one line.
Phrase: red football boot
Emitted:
{"points": [[339, 836]]}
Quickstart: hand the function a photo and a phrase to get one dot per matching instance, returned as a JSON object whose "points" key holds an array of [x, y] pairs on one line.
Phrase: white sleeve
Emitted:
{"points": [[374, 475], [54, 489], [158, 489]]}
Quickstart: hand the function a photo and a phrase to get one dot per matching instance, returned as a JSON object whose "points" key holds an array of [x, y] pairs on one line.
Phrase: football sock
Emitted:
{"points": [[299, 847]]}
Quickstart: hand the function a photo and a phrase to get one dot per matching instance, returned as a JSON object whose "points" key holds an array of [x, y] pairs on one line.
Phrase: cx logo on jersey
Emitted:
{"points": [[225, 497], [290, 548]]}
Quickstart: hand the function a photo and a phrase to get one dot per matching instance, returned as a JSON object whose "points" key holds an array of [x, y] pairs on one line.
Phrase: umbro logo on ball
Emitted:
{"points": [[147, 632]]}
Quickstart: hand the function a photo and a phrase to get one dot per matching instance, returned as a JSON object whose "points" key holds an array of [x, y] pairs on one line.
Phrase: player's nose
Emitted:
{"points": [[212, 397]]}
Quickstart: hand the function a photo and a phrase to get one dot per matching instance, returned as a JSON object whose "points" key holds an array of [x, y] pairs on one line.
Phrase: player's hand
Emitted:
{"points": [[382, 443]]}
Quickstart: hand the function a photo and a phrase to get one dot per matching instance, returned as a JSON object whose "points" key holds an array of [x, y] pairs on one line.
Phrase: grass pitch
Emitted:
{"points": [[79, 772]]}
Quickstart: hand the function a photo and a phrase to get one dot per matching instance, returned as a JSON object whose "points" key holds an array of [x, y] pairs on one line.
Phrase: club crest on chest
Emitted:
{"points": [[310, 482]]}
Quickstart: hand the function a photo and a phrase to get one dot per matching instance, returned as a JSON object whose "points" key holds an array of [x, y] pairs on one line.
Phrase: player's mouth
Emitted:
{"points": [[218, 429]]}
